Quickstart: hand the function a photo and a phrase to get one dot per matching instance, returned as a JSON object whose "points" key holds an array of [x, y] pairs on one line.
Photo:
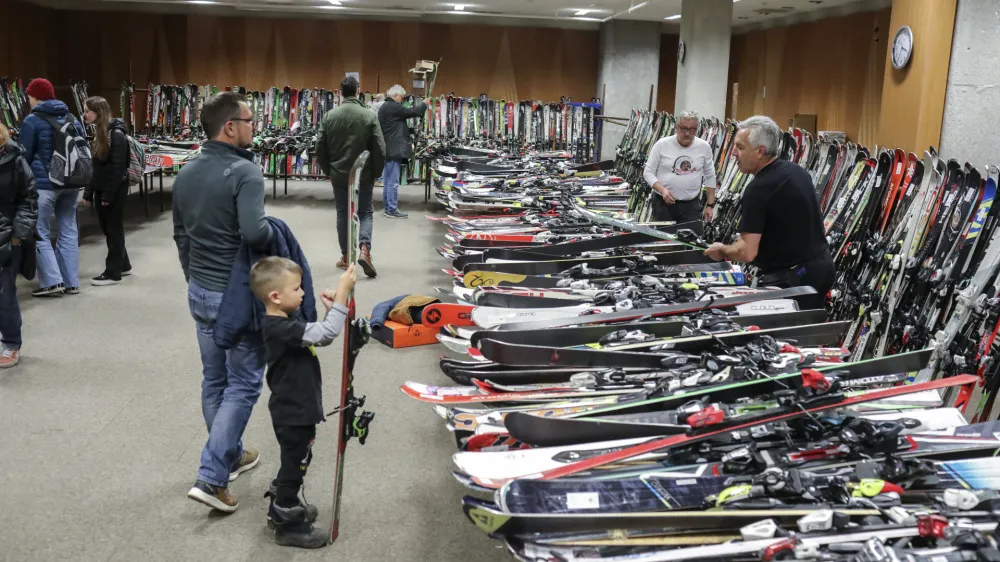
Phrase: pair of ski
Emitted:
{"points": [[629, 451], [469, 395], [659, 488], [589, 360], [664, 547], [568, 424], [510, 309], [704, 273]]}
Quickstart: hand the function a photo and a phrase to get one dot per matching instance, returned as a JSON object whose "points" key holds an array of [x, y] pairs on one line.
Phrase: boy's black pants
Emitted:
{"points": [[296, 453]]}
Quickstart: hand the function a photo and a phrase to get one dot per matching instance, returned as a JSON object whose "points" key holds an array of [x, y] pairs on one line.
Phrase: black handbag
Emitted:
{"points": [[29, 258]]}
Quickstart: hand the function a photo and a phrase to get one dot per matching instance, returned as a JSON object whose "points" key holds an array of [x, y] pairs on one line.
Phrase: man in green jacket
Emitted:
{"points": [[344, 134]]}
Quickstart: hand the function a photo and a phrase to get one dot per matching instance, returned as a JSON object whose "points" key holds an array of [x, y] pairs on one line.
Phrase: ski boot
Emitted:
{"points": [[293, 529], [312, 513]]}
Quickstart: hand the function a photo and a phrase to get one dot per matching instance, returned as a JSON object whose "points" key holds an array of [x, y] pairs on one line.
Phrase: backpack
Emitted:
{"points": [[136, 161], [72, 164]]}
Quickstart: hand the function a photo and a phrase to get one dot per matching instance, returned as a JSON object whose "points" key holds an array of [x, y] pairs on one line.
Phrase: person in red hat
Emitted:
{"points": [[58, 264]]}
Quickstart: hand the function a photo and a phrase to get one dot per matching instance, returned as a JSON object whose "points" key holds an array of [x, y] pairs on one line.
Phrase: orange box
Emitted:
{"points": [[396, 335]]}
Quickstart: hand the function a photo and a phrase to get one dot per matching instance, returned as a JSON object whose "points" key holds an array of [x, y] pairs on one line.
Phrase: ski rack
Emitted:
{"points": [[514, 126]]}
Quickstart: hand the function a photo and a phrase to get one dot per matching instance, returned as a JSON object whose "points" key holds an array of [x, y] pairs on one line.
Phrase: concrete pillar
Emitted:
{"points": [[702, 79], [629, 66], [972, 100]]}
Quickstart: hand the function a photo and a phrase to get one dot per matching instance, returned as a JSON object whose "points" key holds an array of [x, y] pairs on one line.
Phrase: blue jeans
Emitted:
{"points": [[231, 383], [62, 263], [364, 210], [10, 312], [390, 186]]}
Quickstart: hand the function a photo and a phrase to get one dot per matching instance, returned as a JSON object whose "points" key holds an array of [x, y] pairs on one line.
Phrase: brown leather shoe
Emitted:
{"points": [[366, 261], [215, 497], [342, 264]]}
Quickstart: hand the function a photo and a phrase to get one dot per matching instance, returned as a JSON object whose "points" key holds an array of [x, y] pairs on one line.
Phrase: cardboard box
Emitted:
{"points": [[396, 335]]}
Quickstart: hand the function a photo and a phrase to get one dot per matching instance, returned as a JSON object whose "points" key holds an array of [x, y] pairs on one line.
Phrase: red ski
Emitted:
{"points": [[709, 432]]}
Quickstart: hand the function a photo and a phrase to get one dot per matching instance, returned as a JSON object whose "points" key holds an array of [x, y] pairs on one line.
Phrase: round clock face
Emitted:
{"points": [[680, 51], [902, 47]]}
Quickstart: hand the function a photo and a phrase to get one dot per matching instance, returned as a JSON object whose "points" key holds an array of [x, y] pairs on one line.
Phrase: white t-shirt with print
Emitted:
{"points": [[683, 170]]}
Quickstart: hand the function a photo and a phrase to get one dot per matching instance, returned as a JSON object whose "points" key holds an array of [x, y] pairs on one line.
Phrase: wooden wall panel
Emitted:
{"points": [[823, 68], [503, 62], [26, 48], [913, 98], [666, 91]]}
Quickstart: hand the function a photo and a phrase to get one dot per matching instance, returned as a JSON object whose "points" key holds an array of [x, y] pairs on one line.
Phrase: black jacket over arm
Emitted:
{"points": [[392, 118]]}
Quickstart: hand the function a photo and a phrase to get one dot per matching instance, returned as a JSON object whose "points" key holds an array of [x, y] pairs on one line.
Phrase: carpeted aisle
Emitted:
{"points": [[101, 428]]}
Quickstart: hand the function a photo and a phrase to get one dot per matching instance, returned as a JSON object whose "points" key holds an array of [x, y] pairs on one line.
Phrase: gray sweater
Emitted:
{"points": [[218, 202]]}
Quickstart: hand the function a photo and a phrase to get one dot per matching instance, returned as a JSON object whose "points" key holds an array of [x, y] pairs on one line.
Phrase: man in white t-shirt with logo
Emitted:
{"points": [[678, 168]]}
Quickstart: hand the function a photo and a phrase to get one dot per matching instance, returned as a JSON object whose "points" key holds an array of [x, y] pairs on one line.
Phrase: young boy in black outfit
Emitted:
{"points": [[293, 375]]}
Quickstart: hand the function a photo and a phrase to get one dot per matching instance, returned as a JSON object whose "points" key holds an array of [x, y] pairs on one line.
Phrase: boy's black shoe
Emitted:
{"points": [[312, 513], [292, 529]]}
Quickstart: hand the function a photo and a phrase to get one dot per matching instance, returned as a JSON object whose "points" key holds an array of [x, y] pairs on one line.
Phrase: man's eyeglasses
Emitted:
{"points": [[246, 120], [691, 130]]}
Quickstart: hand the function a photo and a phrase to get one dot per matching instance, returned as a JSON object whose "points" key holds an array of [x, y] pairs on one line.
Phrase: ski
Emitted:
{"points": [[645, 354], [353, 423], [668, 310], [698, 435], [670, 327]]}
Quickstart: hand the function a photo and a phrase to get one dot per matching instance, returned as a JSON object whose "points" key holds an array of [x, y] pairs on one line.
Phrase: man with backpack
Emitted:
{"points": [[55, 146]]}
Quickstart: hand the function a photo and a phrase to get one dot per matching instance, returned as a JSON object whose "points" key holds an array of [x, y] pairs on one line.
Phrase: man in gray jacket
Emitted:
{"points": [[218, 202]]}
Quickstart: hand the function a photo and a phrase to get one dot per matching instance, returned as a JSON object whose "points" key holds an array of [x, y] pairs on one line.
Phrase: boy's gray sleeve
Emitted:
{"points": [[324, 332]]}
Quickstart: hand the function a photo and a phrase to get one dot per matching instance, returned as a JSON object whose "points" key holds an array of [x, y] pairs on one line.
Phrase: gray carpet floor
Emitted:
{"points": [[101, 428]]}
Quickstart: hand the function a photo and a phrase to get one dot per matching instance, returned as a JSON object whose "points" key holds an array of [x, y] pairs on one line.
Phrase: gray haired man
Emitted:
{"points": [[677, 168], [781, 230], [392, 118]]}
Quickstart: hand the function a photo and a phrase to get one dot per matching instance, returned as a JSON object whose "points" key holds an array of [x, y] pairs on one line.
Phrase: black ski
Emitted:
{"points": [[671, 327], [536, 355], [490, 519], [591, 245], [681, 257], [552, 431]]}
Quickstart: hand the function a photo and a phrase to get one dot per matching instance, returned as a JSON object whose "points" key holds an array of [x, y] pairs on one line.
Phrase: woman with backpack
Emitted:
{"points": [[108, 188], [18, 215]]}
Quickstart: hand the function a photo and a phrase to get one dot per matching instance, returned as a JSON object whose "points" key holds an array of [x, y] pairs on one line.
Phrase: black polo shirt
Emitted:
{"points": [[780, 204]]}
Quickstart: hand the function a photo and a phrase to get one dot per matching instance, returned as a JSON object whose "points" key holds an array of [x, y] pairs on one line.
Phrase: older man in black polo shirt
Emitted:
{"points": [[781, 231]]}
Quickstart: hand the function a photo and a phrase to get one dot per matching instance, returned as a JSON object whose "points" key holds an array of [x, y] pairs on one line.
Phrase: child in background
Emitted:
{"points": [[293, 375]]}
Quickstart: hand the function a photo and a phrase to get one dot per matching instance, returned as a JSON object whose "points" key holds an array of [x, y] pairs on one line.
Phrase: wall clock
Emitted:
{"points": [[681, 49], [902, 47]]}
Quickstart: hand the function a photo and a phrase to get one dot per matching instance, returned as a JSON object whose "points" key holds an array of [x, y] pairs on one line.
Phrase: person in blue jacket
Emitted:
{"points": [[59, 266]]}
